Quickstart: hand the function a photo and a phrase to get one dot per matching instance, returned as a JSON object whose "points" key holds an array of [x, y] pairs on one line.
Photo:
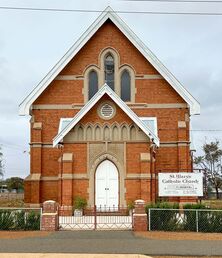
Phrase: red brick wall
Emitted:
{"points": [[148, 91], [50, 164], [79, 156], [93, 116], [80, 187], [50, 122], [27, 190], [133, 156], [133, 189], [166, 158], [62, 92], [108, 36], [158, 91], [49, 191], [167, 122]]}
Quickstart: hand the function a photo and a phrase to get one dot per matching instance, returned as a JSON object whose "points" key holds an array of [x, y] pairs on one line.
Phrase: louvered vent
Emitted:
{"points": [[107, 111]]}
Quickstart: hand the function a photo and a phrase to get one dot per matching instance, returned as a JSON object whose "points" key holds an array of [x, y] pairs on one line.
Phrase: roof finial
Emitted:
{"points": [[108, 8]]}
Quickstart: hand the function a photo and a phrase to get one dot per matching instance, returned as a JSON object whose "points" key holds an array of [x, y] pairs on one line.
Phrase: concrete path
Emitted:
{"points": [[31, 255], [109, 242]]}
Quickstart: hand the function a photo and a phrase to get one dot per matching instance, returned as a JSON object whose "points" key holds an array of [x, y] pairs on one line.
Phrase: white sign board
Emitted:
{"points": [[180, 184]]}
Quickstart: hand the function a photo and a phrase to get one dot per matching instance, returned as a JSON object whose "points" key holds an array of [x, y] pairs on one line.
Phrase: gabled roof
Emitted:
{"points": [[105, 90], [108, 13]]}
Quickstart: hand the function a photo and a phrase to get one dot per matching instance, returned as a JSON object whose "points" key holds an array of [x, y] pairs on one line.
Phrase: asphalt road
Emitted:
{"points": [[118, 242]]}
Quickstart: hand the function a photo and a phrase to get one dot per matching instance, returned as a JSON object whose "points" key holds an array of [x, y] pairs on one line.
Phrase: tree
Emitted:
{"points": [[15, 183], [211, 163], [1, 164]]}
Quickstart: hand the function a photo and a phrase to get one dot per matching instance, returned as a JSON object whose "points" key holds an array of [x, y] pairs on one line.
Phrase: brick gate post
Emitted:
{"points": [[50, 218], [139, 216]]}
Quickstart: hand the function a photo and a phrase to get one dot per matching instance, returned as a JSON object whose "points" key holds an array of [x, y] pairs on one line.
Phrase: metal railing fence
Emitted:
{"points": [[198, 220], [95, 217], [20, 218]]}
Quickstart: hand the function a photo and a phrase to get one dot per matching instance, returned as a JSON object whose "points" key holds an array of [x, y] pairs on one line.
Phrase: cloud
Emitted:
{"points": [[32, 42]]}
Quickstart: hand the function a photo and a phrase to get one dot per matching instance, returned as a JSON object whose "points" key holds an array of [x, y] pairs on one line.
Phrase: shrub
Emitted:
{"points": [[189, 222], [190, 215], [208, 220], [130, 205], [6, 220], [194, 206], [32, 221], [19, 220], [161, 205], [164, 218], [80, 203]]}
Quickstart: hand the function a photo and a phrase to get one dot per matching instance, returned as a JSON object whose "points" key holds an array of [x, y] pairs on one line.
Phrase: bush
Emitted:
{"points": [[190, 215], [208, 221], [164, 218], [189, 223], [161, 205], [19, 220], [6, 220], [32, 221], [80, 203], [194, 206], [130, 205]]}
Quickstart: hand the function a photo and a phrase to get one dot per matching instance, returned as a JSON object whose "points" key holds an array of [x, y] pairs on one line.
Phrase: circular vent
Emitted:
{"points": [[107, 111]]}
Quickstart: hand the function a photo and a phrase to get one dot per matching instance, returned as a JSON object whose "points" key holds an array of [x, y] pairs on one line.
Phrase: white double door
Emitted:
{"points": [[107, 185]]}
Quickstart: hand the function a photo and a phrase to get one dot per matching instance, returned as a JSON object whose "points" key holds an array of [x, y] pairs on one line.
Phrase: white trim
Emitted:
{"points": [[154, 119], [87, 71], [105, 90], [116, 58], [131, 71], [192, 144], [108, 13], [61, 121]]}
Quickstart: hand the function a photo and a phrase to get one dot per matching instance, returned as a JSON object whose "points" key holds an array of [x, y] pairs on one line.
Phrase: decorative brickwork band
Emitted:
{"points": [[50, 219], [139, 216]]}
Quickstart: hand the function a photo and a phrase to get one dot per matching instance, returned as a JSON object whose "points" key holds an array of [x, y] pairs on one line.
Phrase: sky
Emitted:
{"points": [[31, 42]]}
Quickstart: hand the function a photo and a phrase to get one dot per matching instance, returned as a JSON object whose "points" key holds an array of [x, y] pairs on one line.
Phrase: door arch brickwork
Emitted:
{"points": [[107, 185], [122, 175]]}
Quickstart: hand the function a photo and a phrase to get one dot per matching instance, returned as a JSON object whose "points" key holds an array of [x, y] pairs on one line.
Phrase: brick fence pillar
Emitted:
{"points": [[139, 216], [50, 219]]}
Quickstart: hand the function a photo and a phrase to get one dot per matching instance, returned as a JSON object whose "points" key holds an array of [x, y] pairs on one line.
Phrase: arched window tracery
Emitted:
{"points": [[125, 86], [109, 70], [93, 84]]}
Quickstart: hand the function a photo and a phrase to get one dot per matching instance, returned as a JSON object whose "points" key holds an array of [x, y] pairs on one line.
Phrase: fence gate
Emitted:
{"points": [[95, 218]]}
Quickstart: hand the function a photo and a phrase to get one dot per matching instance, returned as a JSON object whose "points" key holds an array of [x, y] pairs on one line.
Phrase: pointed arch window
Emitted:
{"points": [[125, 86], [109, 71], [93, 84]]}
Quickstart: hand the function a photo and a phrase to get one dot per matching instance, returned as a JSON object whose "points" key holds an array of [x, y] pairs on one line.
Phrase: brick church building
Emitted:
{"points": [[105, 121]]}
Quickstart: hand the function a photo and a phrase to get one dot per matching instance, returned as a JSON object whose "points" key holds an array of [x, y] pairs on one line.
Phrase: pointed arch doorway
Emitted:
{"points": [[107, 185]]}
